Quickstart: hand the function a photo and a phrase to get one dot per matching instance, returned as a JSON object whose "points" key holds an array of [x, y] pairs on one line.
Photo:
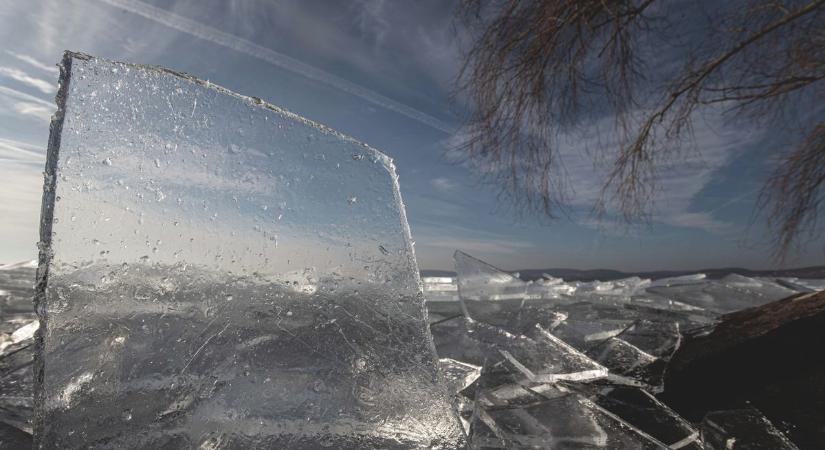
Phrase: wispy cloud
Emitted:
{"points": [[443, 184], [23, 103], [34, 62], [370, 19], [33, 109], [23, 77], [22, 152], [281, 60], [583, 161]]}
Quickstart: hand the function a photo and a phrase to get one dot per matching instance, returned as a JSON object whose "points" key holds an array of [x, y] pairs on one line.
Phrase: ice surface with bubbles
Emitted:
{"points": [[216, 272]]}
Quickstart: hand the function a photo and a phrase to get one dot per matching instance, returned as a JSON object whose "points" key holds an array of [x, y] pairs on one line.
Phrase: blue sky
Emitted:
{"points": [[383, 73]]}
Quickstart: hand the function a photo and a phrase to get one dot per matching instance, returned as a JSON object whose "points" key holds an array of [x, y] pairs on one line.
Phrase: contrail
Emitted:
{"points": [[250, 48]]}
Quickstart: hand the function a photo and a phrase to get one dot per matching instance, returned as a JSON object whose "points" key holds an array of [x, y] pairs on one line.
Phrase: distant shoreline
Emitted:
{"points": [[608, 274]]}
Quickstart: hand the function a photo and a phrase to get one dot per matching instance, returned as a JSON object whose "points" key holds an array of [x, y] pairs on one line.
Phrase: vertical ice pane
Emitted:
{"points": [[220, 273]]}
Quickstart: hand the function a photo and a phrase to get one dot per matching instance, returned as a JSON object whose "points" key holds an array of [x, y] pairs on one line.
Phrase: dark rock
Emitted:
{"points": [[769, 356]]}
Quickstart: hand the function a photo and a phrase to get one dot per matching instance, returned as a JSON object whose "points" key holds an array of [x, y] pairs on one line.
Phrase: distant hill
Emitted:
{"points": [[608, 274]]}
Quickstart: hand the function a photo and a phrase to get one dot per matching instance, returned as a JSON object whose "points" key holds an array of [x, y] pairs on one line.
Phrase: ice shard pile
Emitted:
{"points": [[216, 272], [584, 364], [477, 280]]}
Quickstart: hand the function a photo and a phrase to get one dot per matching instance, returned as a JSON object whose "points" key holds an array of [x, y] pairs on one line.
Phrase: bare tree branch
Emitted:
{"points": [[540, 68]]}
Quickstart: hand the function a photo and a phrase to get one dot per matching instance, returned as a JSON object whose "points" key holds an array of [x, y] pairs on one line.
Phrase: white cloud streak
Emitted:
{"points": [[23, 77], [583, 160], [34, 62], [34, 110], [442, 184], [26, 104], [247, 47], [21, 151]]}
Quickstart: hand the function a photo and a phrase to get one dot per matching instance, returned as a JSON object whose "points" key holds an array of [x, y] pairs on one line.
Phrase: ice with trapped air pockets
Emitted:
{"points": [[222, 274]]}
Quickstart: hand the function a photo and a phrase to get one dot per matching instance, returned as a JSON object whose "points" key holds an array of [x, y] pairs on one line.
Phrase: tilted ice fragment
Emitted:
{"points": [[23, 333], [440, 289], [732, 293], [742, 429], [793, 284], [559, 420], [221, 273], [627, 364], [587, 324], [12, 438], [642, 410], [458, 375], [584, 333], [561, 361], [539, 358], [809, 283], [696, 278], [654, 337], [651, 300], [622, 287], [16, 386], [514, 316], [478, 280]]}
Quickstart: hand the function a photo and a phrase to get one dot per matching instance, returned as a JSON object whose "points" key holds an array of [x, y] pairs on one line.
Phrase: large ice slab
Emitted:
{"points": [[219, 273]]}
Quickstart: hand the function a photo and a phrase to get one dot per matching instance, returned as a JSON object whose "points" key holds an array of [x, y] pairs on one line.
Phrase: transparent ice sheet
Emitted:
{"points": [[219, 273]]}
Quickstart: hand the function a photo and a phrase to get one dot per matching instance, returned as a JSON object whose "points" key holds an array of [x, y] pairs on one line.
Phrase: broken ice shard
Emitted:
{"points": [[731, 293], [478, 280], [537, 358], [556, 419], [742, 428], [219, 273], [457, 374], [629, 364], [643, 411]]}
